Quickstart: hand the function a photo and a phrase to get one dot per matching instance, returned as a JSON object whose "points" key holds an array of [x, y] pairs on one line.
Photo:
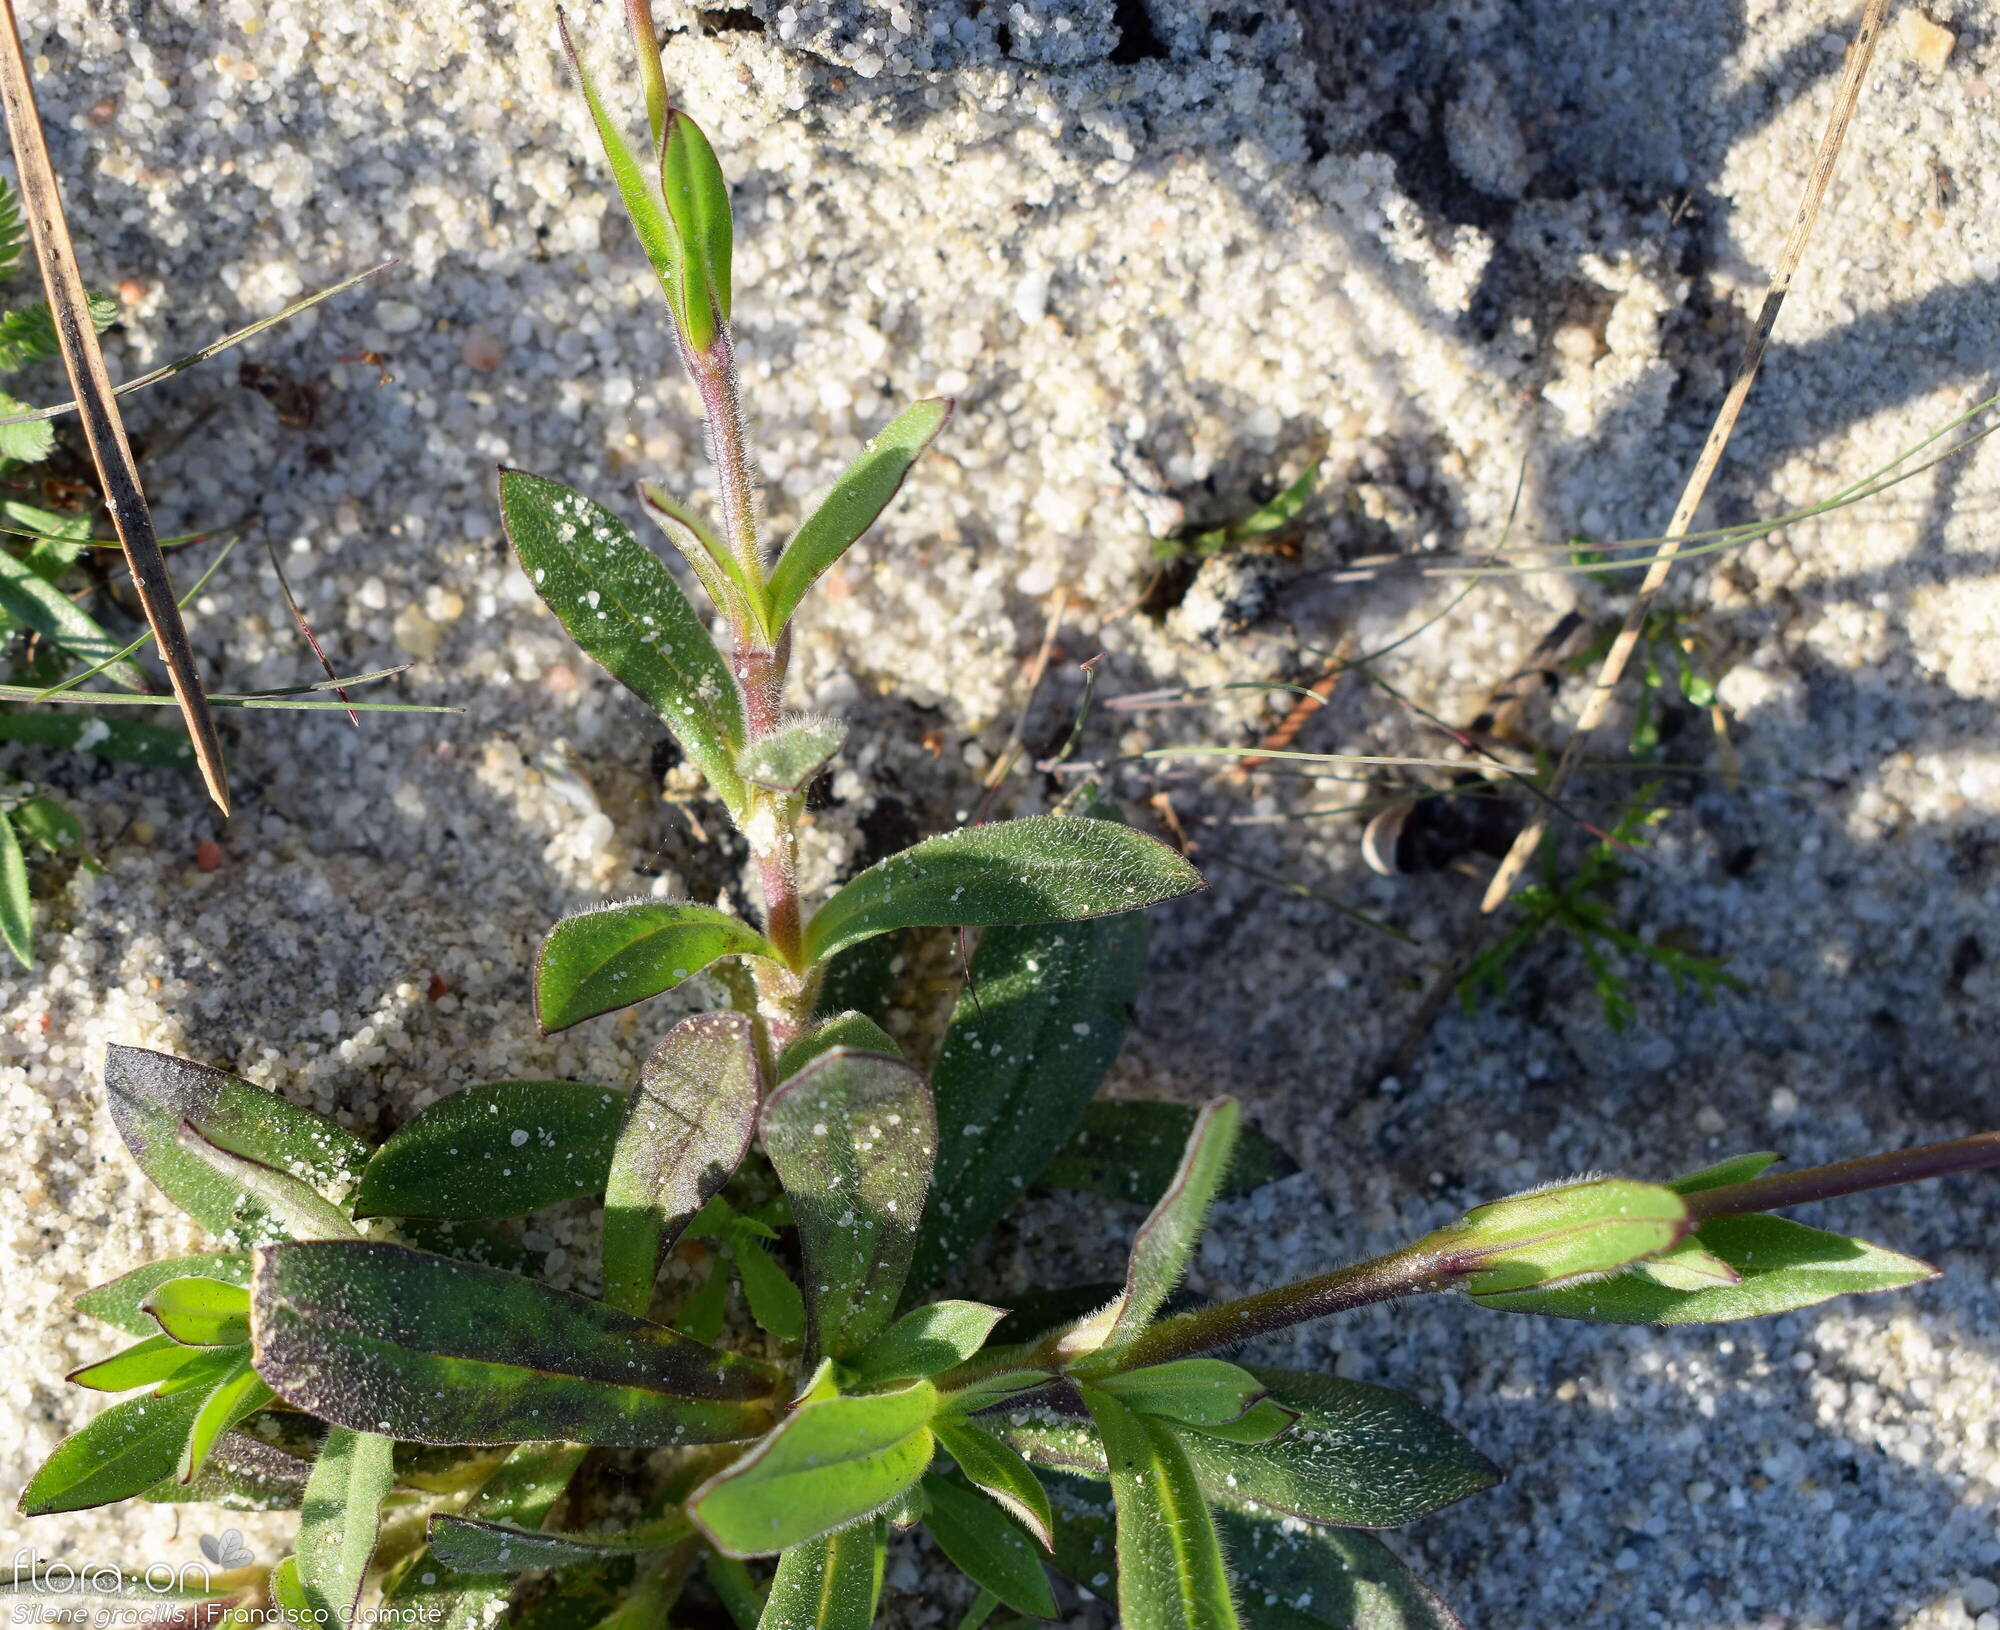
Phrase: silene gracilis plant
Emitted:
{"points": [[364, 1347]]}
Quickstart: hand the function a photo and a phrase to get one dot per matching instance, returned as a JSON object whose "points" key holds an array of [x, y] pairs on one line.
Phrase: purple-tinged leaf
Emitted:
{"points": [[991, 1465], [341, 1520]]}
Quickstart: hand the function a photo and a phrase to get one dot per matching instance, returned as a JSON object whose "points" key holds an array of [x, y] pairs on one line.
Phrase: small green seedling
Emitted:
{"points": [[364, 1346]]}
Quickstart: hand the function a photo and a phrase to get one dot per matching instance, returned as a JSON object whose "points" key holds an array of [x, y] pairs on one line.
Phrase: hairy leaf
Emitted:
{"points": [[1737, 1169], [1030, 1041], [1200, 1392], [121, 1301], [1129, 1149], [789, 758], [1170, 1570], [1325, 1579], [201, 1312], [292, 1208], [619, 602], [120, 1453], [926, 1340], [854, 1031], [775, 1302], [1167, 1237], [830, 1583], [38, 604], [474, 1545], [378, 1337], [1546, 1236], [340, 1518], [1780, 1265], [856, 500], [612, 956], [152, 1095], [987, 1547], [686, 1130], [145, 1365], [852, 1137], [1044, 868], [495, 1151], [1002, 1473], [697, 200], [238, 1395], [829, 1463], [242, 1473]]}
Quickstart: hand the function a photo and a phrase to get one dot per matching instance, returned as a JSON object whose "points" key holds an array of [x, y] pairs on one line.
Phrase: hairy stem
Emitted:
{"points": [[1978, 1153]]}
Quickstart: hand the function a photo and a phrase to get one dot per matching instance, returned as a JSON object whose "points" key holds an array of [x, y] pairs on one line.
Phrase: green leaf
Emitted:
{"points": [[1167, 1237], [1045, 868], [378, 1337], [28, 443], [775, 1302], [341, 1518], [473, 1545], [152, 1095], [830, 1462], [288, 1593], [1261, 1423], [925, 1341], [991, 1465], [706, 1309], [28, 334], [1360, 1455], [44, 822], [987, 1547], [1737, 1169], [788, 759], [1338, 1578], [853, 1031], [717, 570], [697, 199], [201, 1312], [144, 1365], [17, 906], [522, 1491], [852, 1137], [1020, 1063], [1781, 1265], [120, 1453], [1688, 1267], [853, 504], [1200, 1392], [291, 1208], [621, 605], [232, 1400], [121, 740], [861, 979], [120, 1303], [685, 1132], [501, 1150], [33, 601], [612, 956], [1549, 1235], [1170, 1570], [829, 1583], [242, 1473], [1129, 1149]]}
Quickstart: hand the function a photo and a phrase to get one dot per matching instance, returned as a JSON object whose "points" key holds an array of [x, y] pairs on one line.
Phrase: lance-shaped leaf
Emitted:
{"points": [[202, 1312], [1359, 1455], [718, 571], [987, 1547], [242, 1473], [1546, 1236], [378, 1337], [685, 1132], [288, 1591], [853, 504], [1199, 1392], [619, 602], [1780, 1265], [991, 1465], [474, 1545], [1021, 1061], [775, 1302], [852, 1137], [926, 1340], [1044, 868], [1170, 1570], [1325, 1579], [1129, 1149], [120, 1453], [830, 1462], [789, 758], [340, 1519], [265, 1196], [121, 1302], [495, 1151], [854, 1031], [34, 602], [697, 199], [152, 1095], [1688, 1266], [238, 1395], [612, 956], [149, 1363], [1167, 1237], [17, 905], [522, 1491], [829, 1583], [1736, 1169], [124, 741]]}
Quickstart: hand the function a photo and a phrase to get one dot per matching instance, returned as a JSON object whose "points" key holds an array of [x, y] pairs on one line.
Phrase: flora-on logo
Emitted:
{"points": [[228, 1551]]}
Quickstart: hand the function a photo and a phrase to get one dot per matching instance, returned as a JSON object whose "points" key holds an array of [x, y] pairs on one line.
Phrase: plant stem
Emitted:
{"points": [[1980, 1152]]}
